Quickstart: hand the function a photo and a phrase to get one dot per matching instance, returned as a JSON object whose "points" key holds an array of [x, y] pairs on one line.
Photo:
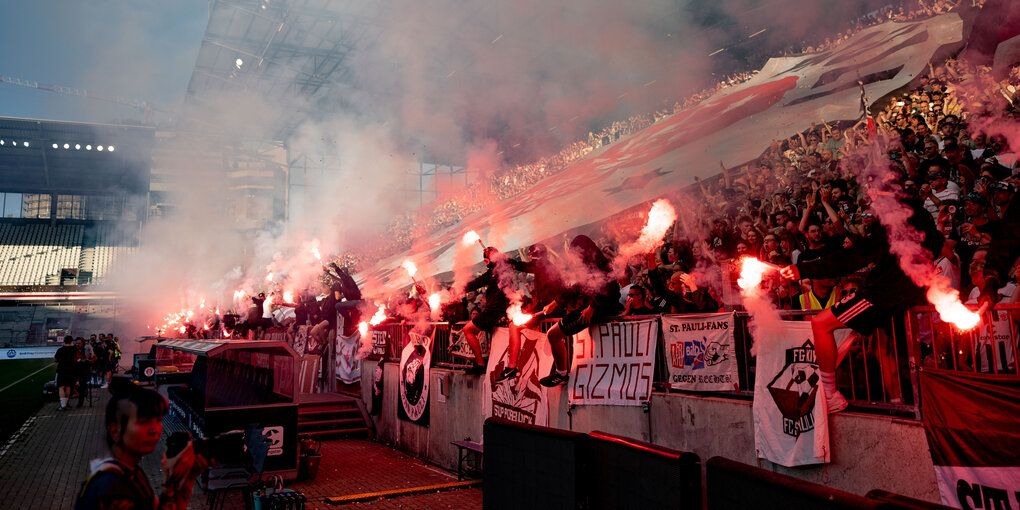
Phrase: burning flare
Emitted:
{"points": [[410, 267], [434, 301], [947, 303], [315, 252], [380, 315], [751, 272], [660, 217], [363, 328], [288, 296], [518, 317], [472, 237]]}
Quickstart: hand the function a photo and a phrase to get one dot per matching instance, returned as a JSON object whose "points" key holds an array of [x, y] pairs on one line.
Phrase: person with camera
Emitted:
{"points": [[134, 424]]}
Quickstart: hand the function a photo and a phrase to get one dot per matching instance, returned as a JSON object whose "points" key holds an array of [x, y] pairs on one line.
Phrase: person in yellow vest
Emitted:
{"points": [[820, 296]]}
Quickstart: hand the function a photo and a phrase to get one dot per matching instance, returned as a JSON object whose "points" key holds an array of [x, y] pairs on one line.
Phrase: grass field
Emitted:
{"points": [[21, 384]]}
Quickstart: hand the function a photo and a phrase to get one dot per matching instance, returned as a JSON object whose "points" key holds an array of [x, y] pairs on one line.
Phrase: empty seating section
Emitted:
{"points": [[35, 254], [31, 252], [111, 247]]}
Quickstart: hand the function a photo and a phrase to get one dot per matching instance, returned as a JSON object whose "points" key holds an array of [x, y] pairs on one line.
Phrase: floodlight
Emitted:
{"points": [[238, 63], [77, 146], [67, 146], [99, 148], [109, 148], [26, 144], [55, 146], [88, 147]]}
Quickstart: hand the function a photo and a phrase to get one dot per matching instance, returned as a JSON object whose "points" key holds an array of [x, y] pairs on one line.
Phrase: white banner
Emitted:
{"points": [[348, 366], [415, 361], [521, 399], [788, 95], [29, 352], [301, 339], [459, 347], [700, 352], [979, 487], [614, 364], [790, 425]]}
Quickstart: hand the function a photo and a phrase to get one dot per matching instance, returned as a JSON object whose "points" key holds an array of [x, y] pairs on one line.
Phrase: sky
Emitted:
{"points": [[140, 50]]}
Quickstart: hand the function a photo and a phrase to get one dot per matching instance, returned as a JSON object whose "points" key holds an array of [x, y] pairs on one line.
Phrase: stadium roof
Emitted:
{"points": [[29, 162], [292, 53]]}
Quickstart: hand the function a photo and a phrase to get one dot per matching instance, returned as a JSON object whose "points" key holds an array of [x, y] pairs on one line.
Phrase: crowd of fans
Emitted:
{"points": [[83, 364], [507, 183], [946, 139]]}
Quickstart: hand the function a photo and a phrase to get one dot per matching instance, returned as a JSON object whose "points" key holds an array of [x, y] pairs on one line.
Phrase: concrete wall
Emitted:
{"points": [[868, 451]]}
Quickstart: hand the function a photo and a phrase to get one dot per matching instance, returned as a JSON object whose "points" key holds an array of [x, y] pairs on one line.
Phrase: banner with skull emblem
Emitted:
{"points": [[413, 380]]}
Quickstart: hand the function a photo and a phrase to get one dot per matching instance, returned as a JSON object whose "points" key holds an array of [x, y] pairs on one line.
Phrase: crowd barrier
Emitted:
{"points": [[731, 484], [627, 473], [527, 466], [878, 373], [532, 466]]}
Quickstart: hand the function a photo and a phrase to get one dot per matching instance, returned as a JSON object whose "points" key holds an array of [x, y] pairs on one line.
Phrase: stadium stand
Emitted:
{"points": [[35, 254], [39, 254]]}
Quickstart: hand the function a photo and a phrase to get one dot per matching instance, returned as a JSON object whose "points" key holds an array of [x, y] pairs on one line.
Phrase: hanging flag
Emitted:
{"points": [[613, 364], [790, 421], [700, 351], [519, 399], [973, 426], [413, 378]]}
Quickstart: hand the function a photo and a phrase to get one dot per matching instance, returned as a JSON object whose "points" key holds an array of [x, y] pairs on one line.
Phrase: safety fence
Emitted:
{"points": [[599, 470], [877, 373]]}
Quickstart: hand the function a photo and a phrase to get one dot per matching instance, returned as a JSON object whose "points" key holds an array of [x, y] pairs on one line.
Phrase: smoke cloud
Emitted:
{"points": [[482, 86]]}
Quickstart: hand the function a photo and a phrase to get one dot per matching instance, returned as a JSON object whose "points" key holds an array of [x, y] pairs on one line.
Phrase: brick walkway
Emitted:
{"points": [[44, 464]]}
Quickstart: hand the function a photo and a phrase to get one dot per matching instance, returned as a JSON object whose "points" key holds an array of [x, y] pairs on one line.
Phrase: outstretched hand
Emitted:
{"points": [[790, 272]]}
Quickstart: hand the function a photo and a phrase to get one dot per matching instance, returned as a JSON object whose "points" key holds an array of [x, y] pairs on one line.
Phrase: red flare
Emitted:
{"points": [[517, 316], [751, 272], [380, 315]]}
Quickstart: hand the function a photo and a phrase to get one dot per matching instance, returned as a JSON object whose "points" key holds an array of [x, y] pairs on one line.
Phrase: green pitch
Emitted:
{"points": [[21, 384]]}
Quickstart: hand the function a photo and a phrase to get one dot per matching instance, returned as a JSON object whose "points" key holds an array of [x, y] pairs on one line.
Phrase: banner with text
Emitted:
{"points": [[614, 364], [973, 426], [521, 399], [700, 351], [29, 352]]}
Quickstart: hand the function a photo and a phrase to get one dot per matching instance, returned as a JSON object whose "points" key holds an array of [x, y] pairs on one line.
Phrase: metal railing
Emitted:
{"points": [[876, 373]]}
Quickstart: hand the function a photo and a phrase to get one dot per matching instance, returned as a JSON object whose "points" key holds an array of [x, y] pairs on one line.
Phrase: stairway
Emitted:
{"points": [[323, 415], [86, 259]]}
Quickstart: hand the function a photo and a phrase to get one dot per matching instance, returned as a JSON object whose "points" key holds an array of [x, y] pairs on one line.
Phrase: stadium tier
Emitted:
{"points": [[40, 254]]}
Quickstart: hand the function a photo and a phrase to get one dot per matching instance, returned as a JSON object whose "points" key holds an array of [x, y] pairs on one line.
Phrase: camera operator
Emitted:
{"points": [[134, 424]]}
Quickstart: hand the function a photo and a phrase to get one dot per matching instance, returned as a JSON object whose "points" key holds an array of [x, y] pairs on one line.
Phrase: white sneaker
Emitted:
{"points": [[835, 403]]}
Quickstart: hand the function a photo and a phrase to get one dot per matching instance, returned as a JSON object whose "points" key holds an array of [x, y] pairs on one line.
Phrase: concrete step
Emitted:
{"points": [[336, 433], [338, 423]]}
